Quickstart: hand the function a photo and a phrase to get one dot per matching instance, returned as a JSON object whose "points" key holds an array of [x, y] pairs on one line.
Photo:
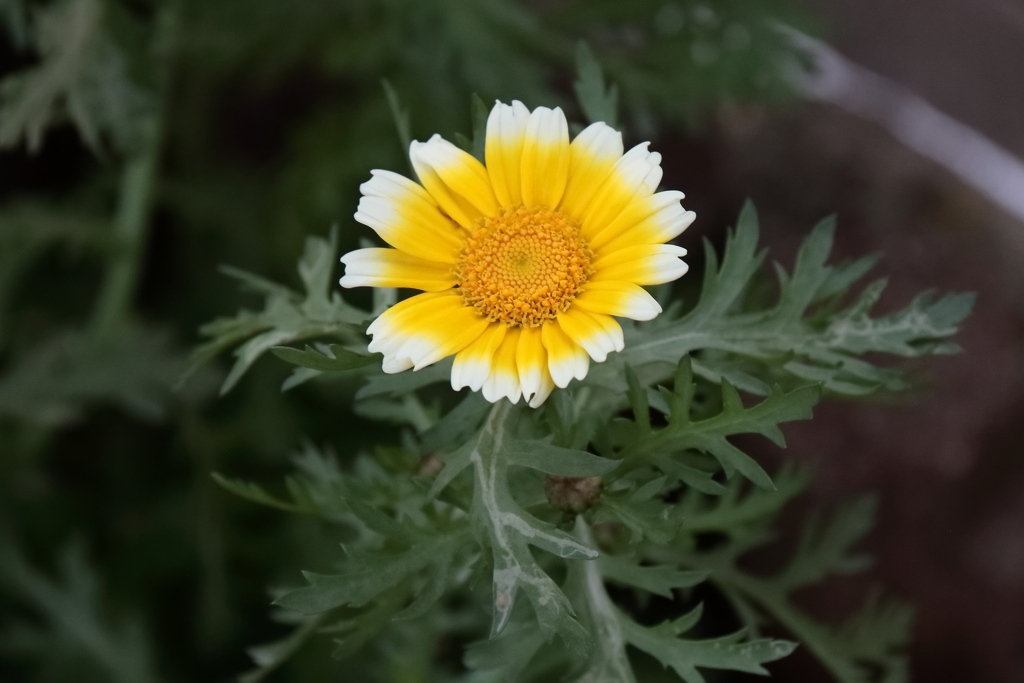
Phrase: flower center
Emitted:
{"points": [[524, 266]]}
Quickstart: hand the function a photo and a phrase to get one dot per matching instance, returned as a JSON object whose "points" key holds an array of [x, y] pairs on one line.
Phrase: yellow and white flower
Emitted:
{"points": [[523, 262]]}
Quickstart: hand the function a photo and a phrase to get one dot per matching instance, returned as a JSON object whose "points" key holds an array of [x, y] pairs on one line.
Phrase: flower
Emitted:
{"points": [[524, 261]]}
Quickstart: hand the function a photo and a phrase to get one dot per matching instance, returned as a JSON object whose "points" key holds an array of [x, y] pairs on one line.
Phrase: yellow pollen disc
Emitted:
{"points": [[523, 266]]}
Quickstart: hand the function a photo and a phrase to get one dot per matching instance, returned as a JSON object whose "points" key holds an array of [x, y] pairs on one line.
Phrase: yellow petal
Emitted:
{"points": [[622, 299], [597, 333], [393, 327], [566, 360], [531, 361], [503, 382], [376, 267], [649, 220], [473, 364], [645, 264], [635, 175], [545, 163], [506, 133], [592, 155], [457, 181], [441, 335], [407, 218]]}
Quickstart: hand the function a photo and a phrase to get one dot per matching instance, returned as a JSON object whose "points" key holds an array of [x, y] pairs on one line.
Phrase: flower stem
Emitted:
{"points": [[135, 198], [114, 303]]}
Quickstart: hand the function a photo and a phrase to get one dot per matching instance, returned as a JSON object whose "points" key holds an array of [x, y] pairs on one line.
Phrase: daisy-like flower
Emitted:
{"points": [[523, 261]]}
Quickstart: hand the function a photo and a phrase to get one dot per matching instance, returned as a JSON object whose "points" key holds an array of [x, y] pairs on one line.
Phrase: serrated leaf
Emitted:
{"points": [[510, 531], [375, 575], [825, 548], [508, 654], [287, 316], [339, 360], [405, 382], [54, 383], [795, 336], [71, 619], [83, 75], [566, 462], [255, 493], [270, 656], [457, 426], [868, 647], [660, 579], [734, 513], [710, 435], [731, 653]]}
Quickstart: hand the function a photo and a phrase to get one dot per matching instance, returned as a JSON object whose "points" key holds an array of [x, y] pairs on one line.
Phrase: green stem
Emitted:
{"points": [[135, 198], [130, 222], [609, 660]]}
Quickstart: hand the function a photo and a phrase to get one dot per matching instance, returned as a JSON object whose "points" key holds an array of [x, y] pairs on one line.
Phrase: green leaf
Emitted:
{"points": [[480, 112], [374, 574], [641, 510], [797, 340], [83, 76], [825, 549], [401, 116], [509, 654], [457, 426], [55, 382], [339, 360], [609, 661], [599, 103], [72, 621], [734, 513], [256, 494], [868, 647], [270, 656], [710, 435], [566, 462], [510, 531], [659, 579], [613, 630], [405, 382], [287, 317], [731, 653]]}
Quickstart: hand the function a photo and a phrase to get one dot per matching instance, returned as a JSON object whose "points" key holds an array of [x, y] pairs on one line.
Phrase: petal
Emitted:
{"points": [[645, 264], [506, 133], [648, 220], [377, 267], [597, 333], [407, 218], [545, 163], [566, 360], [503, 382], [444, 334], [393, 327], [592, 155], [531, 361], [455, 179], [635, 175], [546, 387], [623, 299], [473, 364]]}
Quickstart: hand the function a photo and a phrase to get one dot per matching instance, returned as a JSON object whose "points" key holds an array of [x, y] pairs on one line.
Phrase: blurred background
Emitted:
{"points": [[145, 143]]}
